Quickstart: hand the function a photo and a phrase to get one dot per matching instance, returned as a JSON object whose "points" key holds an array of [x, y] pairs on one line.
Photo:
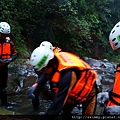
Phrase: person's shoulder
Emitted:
{"points": [[11, 42], [57, 49]]}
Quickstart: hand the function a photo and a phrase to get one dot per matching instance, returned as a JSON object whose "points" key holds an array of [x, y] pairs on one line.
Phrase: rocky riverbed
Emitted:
{"points": [[22, 76]]}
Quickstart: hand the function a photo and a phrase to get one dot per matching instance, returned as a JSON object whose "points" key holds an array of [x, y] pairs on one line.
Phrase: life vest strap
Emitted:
{"points": [[86, 80], [117, 71], [111, 95]]}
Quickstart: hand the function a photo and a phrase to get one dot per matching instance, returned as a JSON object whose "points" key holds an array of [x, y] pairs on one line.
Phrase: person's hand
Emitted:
{"points": [[112, 110], [7, 61], [102, 98], [30, 92]]}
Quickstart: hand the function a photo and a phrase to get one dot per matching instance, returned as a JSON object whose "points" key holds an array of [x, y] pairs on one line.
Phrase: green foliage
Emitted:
{"points": [[79, 26], [9, 14], [113, 56]]}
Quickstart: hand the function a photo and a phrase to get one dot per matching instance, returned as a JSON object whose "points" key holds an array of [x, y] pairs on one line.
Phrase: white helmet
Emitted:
{"points": [[40, 57], [46, 44], [4, 28], [114, 37]]}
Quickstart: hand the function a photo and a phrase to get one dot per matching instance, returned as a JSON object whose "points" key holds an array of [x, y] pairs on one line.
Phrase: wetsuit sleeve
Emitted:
{"points": [[13, 51], [60, 98], [41, 79]]}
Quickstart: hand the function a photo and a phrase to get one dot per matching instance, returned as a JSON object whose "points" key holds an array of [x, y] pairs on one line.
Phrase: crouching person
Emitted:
{"points": [[72, 80]]}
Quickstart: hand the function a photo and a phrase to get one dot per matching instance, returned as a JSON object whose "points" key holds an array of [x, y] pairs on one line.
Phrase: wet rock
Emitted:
{"points": [[112, 110], [22, 76]]}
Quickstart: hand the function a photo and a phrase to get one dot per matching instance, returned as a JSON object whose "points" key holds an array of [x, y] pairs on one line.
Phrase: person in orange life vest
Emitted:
{"points": [[72, 80], [34, 91], [8, 53], [111, 99]]}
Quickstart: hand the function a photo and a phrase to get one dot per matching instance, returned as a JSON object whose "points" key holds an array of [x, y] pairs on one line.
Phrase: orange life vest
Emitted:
{"points": [[86, 82], [114, 97], [5, 49]]}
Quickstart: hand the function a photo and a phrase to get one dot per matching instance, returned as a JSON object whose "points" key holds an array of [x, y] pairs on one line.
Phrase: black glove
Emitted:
{"points": [[7, 61], [30, 93]]}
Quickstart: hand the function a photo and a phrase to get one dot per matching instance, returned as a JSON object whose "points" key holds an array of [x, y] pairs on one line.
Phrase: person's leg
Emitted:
{"points": [[0, 93], [89, 106], [67, 111], [35, 102], [3, 84], [4, 97]]}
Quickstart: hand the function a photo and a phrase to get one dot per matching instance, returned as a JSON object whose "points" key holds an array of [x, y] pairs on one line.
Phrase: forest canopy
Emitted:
{"points": [[78, 26]]}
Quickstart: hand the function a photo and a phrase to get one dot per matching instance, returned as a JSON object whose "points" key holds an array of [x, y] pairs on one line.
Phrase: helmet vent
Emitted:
{"points": [[113, 39], [116, 44], [43, 45], [118, 26], [32, 60], [113, 31]]}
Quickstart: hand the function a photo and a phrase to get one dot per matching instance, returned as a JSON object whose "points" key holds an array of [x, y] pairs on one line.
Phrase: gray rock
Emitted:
{"points": [[112, 110]]}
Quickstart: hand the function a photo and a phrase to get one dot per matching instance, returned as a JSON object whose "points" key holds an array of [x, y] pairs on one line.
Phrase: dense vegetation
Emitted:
{"points": [[79, 26]]}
